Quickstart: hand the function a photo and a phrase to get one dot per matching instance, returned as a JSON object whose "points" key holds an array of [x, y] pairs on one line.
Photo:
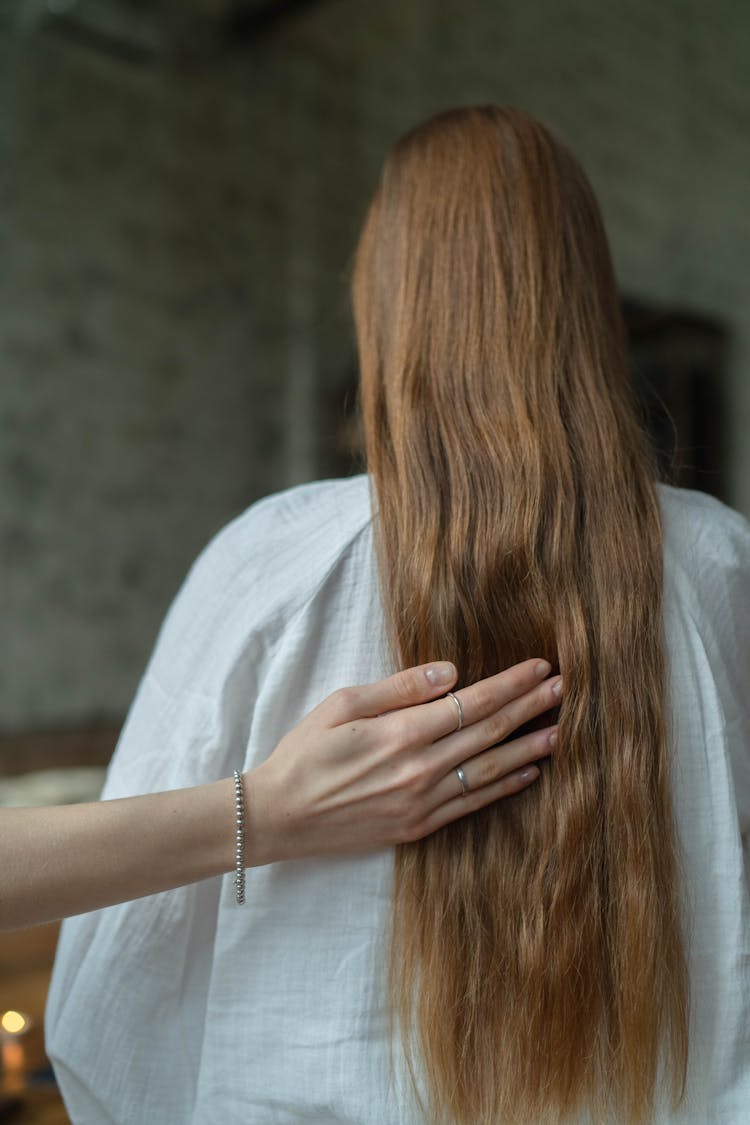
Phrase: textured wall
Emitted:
{"points": [[173, 256]]}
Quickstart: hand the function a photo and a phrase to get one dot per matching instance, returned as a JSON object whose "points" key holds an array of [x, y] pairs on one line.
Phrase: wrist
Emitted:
{"points": [[260, 834]]}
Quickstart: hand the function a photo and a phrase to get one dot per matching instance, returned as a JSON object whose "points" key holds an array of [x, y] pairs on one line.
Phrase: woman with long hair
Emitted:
{"points": [[577, 952]]}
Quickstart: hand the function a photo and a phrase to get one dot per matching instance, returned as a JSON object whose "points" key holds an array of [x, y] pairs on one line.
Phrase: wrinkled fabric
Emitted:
{"points": [[185, 1008]]}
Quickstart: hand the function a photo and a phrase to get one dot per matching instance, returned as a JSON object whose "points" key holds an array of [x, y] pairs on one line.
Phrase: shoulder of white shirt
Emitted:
{"points": [[276, 553], [699, 525], [305, 518]]}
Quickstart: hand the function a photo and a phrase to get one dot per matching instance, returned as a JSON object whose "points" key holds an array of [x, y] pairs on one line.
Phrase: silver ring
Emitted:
{"points": [[457, 701], [462, 778]]}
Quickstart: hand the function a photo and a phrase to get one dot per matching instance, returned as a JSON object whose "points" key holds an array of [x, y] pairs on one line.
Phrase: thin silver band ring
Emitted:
{"points": [[457, 701], [462, 778]]}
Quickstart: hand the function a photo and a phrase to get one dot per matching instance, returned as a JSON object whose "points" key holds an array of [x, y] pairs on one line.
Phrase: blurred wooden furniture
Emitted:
{"points": [[28, 1095]]}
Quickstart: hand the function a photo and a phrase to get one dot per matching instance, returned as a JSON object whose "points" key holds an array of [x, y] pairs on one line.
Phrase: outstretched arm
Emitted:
{"points": [[371, 766], [70, 859]]}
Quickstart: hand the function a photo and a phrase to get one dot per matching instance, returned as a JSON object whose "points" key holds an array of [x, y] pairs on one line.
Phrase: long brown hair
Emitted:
{"points": [[537, 966]]}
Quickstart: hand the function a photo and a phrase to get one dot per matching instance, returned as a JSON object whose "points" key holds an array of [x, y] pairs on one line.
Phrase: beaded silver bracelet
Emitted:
{"points": [[239, 854]]}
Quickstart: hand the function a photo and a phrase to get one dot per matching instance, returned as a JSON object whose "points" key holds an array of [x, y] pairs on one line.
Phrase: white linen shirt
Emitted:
{"points": [[185, 1009]]}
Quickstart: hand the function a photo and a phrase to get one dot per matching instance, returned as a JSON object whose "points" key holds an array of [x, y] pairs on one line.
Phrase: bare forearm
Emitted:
{"points": [[368, 768], [75, 858]]}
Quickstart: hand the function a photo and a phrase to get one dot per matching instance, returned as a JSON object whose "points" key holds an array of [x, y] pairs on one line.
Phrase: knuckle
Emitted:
{"points": [[481, 699], [405, 685], [408, 736], [522, 677], [413, 778], [390, 734], [499, 726], [343, 701], [486, 773], [388, 737]]}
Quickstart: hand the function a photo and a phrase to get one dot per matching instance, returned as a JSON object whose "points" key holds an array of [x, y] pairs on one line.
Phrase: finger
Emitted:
{"points": [[478, 798], [481, 699], [492, 765], [407, 688], [466, 744]]}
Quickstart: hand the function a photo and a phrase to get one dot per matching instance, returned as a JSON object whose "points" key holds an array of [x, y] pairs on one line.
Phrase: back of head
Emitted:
{"points": [[537, 965]]}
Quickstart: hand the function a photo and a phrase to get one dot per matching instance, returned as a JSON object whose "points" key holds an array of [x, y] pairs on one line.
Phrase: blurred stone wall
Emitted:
{"points": [[174, 249]]}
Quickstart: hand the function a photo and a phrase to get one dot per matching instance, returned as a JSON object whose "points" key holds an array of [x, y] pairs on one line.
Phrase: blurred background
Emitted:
{"points": [[181, 188]]}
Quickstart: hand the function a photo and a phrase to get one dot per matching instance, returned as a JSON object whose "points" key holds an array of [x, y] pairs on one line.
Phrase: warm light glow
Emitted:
{"points": [[14, 1066], [13, 1022]]}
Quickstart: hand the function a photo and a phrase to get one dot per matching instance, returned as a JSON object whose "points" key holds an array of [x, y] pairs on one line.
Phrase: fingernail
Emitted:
{"points": [[557, 688], [529, 773], [552, 737], [443, 673], [543, 668]]}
